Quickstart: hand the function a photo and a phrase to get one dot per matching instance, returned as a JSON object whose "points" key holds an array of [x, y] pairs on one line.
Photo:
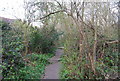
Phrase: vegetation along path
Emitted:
{"points": [[53, 69]]}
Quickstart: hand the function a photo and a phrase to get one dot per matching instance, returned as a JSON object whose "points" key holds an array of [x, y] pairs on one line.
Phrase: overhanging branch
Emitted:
{"points": [[51, 14]]}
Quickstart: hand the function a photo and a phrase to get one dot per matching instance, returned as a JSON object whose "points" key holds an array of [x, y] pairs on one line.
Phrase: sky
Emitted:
{"points": [[12, 8], [15, 8]]}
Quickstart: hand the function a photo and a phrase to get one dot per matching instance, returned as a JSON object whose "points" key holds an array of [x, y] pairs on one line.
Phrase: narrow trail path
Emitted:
{"points": [[52, 70]]}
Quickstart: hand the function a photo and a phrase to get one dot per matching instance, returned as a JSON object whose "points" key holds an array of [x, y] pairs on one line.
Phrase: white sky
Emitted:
{"points": [[12, 8]]}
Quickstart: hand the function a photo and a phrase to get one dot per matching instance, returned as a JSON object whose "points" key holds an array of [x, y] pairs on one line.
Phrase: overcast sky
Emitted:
{"points": [[12, 8]]}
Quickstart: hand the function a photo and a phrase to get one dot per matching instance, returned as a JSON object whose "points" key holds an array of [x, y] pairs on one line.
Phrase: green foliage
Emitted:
{"points": [[13, 39], [106, 56], [39, 58], [106, 64], [30, 71], [4, 25], [12, 47], [35, 42], [44, 40]]}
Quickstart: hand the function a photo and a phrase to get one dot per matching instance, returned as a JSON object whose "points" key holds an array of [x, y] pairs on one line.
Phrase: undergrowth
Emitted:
{"points": [[34, 69]]}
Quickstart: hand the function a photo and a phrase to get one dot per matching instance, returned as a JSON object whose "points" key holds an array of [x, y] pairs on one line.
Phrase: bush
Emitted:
{"points": [[44, 40], [30, 71], [15, 40], [12, 47]]}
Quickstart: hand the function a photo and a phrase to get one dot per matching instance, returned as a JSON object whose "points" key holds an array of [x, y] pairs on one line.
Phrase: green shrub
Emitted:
{"points": [[44, 40], [12, 47], [30, 71], [41, 41]]}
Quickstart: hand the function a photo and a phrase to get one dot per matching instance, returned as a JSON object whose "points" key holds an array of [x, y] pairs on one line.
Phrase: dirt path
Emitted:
{"points": [[52, 70]]}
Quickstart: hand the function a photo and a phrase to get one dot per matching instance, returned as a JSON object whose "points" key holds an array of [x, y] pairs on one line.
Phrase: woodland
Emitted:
{"points": [[87, 31]]}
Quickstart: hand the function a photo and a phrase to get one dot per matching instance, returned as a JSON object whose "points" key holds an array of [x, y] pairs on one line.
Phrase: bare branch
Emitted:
{"points": [[52, 13], [115, 41], [59, 4]]}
